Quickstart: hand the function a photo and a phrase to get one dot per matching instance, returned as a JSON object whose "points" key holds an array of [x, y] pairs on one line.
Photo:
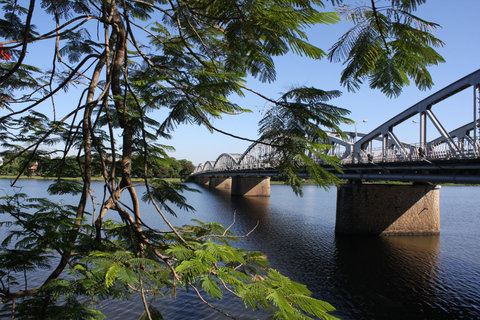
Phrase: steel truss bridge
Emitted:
{"points": [[452, 156]]}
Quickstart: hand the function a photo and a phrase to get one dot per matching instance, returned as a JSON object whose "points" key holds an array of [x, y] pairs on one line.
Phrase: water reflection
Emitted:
{"points": [[397, 277], [388, 277]]}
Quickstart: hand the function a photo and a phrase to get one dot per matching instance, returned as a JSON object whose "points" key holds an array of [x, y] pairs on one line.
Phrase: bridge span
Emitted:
{"points": [[449, 156]]}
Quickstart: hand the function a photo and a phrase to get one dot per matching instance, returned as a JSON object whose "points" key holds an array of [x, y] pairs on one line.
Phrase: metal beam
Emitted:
{"points": [[436, 178], [472, 79], [442, 131], [476, 97]]}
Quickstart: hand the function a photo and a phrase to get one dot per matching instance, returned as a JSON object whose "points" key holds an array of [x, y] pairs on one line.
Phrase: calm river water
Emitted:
{"points": [[409, 277]]}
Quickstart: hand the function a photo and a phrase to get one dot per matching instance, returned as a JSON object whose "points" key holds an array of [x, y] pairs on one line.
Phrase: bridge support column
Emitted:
{"points": [[220, 183], [388, 209], [251, 186], [202, 180]]}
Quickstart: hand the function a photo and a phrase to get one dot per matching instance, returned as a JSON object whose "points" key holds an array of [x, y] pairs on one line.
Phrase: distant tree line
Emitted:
{"points": [[70, 166]]}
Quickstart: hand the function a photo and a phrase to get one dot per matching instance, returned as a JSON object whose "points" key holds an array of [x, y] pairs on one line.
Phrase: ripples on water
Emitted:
{"points": [[419, 277]]}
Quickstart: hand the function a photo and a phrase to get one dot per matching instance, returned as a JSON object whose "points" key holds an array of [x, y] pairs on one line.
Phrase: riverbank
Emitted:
{"points": [[178, 180], [171, 180]]}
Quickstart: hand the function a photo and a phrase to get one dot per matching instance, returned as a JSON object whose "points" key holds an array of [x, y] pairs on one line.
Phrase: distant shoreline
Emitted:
{"points": [[178, 180], [172, 180]]}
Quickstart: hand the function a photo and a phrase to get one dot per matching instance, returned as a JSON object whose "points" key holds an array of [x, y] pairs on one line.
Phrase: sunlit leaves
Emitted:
{"points": [[284, 297]]}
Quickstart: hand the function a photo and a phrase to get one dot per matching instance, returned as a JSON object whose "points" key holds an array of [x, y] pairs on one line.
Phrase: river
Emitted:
{"points": [[397, 277]]}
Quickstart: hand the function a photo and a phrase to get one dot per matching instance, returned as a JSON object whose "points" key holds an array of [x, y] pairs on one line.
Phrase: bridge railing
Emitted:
{"points": [[410, 153], [417, 152]]}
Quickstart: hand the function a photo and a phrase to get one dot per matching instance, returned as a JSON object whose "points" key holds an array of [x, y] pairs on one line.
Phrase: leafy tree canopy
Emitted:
{"points": [[134, 70], [387, 46]]}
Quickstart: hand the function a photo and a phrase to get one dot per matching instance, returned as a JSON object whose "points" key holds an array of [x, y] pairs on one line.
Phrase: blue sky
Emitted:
{"points": [[459, 21]]}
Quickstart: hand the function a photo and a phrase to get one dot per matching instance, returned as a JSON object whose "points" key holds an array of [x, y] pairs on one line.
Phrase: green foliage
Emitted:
{"points": [[204, 260], [65, 187], [284, 297], [157, 65], [70, 167], [71, 308], [296, 127], [40, 234], [166, 193], [387, 46]]}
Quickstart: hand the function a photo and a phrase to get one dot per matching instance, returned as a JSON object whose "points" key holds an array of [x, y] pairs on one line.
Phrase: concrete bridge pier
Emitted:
{"points": [[374, 209], [202, 180], [251, 186], [220, 183]]}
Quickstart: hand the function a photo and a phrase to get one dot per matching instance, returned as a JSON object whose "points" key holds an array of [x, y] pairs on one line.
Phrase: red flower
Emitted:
{"points": [[4, 54]]}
